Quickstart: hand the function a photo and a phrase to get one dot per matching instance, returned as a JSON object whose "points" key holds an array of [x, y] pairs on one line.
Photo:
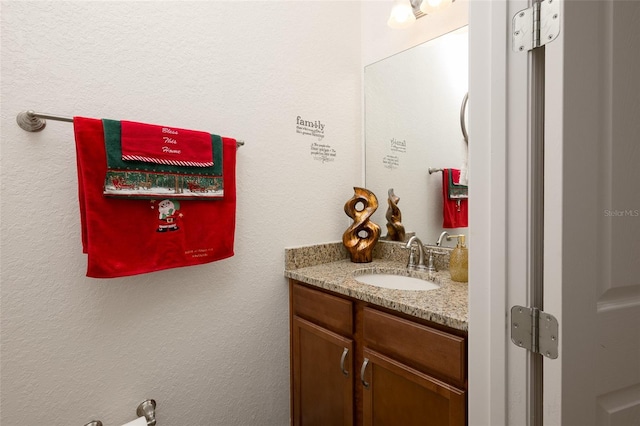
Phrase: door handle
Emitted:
{"points": [[362, 371], [342, 359]]}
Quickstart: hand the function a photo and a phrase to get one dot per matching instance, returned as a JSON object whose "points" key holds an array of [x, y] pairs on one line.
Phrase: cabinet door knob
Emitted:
{"points": [[362, 371], [342, 360]]}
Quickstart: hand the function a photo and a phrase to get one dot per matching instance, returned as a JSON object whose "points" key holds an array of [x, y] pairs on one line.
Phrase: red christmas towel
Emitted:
{"points": [[455, 211], [139, 179], [165, 145], [126, 237]]}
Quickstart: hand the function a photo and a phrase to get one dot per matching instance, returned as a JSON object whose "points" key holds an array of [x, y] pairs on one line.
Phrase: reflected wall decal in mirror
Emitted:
{"points": [[415, 108]]}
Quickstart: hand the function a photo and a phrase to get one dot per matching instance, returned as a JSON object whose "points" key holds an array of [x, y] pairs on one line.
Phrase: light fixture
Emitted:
{"points": [[429, 6], [405, 12], [402, 15]]}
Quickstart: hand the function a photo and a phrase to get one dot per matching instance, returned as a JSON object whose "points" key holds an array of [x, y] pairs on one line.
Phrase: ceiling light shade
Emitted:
{"points": [[401, 15]]}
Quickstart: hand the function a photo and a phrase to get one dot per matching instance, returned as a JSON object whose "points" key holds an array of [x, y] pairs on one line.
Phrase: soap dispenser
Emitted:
{"points": [[459, 262]]}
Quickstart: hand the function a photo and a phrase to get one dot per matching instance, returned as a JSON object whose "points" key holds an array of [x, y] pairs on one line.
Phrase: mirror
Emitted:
{"points": [[412, 123]]}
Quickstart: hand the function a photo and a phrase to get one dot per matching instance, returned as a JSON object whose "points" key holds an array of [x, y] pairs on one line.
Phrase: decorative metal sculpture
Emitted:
{"points": [[395, 229], [361, 237]]}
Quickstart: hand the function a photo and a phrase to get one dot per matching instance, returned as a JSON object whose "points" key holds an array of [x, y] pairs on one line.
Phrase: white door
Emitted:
{"points": [[591, 227], [592, 214]]}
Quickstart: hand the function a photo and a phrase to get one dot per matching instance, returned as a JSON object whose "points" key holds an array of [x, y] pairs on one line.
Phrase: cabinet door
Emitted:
{"points": [[394, 394], [322, 376]]}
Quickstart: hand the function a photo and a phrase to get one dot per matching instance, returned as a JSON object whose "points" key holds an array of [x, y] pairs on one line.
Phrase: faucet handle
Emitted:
{"points": [[430, 266], [412, 257]]}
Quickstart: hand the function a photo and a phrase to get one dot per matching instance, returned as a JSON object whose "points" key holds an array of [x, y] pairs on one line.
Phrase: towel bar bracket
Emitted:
{"points": [[31, 122]]}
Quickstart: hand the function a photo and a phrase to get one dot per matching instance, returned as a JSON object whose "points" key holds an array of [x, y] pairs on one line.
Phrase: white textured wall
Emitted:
{"points": [[209, 343]]}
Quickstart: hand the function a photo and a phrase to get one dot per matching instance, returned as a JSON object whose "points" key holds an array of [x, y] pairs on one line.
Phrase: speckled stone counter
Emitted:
{"points": [[328, 266]]}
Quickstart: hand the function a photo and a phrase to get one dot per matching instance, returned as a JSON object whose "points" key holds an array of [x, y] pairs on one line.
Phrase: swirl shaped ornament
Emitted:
{"points": [[361, 237], [395, 229]]}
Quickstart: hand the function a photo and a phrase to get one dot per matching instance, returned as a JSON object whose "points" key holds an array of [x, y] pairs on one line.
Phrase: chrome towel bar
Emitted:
{"points": [[35, 121]]}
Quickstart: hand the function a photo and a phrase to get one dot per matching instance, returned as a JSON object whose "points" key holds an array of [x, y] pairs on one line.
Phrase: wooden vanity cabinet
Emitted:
{"points": [[322, 348], [395, 394], [410, 371], [353, 363]]}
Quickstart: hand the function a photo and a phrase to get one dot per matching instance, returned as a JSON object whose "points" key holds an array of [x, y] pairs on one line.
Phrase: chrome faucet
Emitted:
{"points": [[412, 265], [443, 235]]}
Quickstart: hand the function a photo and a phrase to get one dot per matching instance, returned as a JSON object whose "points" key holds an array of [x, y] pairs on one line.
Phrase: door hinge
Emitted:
{"points": [[536, 26], [535, 330]]}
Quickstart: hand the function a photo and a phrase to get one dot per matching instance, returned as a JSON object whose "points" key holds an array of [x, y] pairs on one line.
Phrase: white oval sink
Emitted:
{"points": [[396, 282]]}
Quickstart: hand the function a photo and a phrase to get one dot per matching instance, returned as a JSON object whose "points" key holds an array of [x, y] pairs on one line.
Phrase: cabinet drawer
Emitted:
{"points": [[331, 312], [425, 348]]}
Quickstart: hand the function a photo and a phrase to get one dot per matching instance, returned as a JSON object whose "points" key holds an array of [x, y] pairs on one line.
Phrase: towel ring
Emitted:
{"points": [[463, 108]]}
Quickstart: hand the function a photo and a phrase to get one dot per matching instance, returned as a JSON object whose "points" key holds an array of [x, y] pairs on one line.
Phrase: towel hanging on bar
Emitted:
{"points": [[34, 121], [124, 236]]}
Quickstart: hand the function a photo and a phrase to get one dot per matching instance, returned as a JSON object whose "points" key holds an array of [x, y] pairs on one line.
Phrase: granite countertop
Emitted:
{"points": [[327, 266]]}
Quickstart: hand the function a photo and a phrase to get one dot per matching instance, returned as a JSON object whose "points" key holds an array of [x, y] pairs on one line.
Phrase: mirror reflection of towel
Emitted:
{"points": [[128, 236], [455, 210], [455, 190]]}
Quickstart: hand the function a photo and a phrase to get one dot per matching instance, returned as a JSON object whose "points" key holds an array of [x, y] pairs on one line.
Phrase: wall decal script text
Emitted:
{"points": [[313, 128]]}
